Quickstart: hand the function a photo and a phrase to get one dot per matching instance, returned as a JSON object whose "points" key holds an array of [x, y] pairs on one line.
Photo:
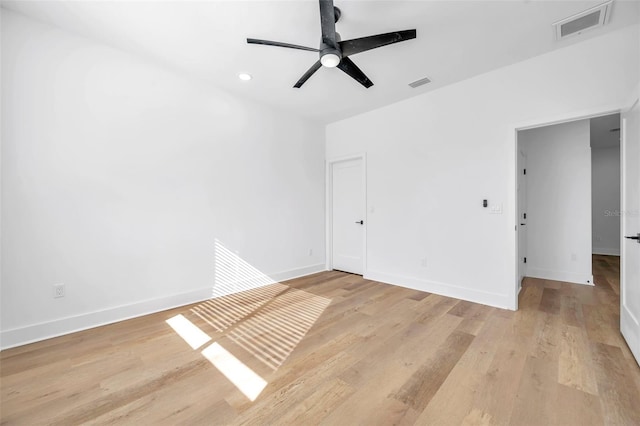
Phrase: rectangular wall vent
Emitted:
{"points": [[420, 82], [591, 18]]}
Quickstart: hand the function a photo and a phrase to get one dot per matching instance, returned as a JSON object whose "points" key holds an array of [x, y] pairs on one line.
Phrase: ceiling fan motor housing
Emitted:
{"points": [[329, 49], [334, 51]]}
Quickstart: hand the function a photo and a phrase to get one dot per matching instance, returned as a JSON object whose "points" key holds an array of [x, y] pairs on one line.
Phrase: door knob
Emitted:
{"points": [[637, 238], [361, 222]]}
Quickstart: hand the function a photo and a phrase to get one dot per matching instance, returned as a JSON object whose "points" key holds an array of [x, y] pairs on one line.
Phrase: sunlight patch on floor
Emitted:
{"points": [[265, 318], [245, 379], [191, 333], [274, 332], [224, 311]]}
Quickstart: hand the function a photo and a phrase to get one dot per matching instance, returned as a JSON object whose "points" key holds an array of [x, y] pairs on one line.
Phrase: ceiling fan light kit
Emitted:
{"points": [[334, 52], [330, 60]]}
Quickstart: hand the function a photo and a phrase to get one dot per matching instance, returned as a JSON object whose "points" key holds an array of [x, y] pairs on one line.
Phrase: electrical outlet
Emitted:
{"points": [[310, 252], [58, 290], [574, 257], [423, 262]]}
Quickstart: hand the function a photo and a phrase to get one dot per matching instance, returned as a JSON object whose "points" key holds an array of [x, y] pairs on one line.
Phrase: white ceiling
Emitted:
{"points": [[207, 40]]}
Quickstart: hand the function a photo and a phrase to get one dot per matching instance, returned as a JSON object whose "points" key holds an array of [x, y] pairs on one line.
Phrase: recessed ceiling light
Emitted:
{"points": [[244, 76]]}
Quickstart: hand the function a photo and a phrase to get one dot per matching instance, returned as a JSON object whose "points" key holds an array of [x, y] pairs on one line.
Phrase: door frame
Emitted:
{"points": [[630, 334], [512, 205], [329, 208], [519, 178]]}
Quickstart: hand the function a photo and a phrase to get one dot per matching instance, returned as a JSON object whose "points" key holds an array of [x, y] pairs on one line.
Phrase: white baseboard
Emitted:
{"points": [[569, 277], [298, 272], [607, 251], [485, 298], [45, 330], [520, 283], [630, 329]]}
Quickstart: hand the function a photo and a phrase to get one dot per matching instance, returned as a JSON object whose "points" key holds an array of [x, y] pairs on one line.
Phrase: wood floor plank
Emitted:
{"points": [[571, 310], [575, 366], [334, 348], [378, 378], [417, 341], [454, 402], [575, 407], [499, 385], [537, 394], [619, 394], [418, 391], [313, 409], [477, 418], [550, 302]]}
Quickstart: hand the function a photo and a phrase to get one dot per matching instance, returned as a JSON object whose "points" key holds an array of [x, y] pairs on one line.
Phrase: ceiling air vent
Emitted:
{"points": [[591, 18], [420, 82]]}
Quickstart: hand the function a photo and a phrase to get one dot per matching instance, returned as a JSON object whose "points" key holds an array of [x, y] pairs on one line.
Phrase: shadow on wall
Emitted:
{"points": [[254, 314]]}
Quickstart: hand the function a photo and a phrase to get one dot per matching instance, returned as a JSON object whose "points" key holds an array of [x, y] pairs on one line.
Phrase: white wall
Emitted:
{"points": [[605, 184], [119, 177], [433, 158], [558, 201]]}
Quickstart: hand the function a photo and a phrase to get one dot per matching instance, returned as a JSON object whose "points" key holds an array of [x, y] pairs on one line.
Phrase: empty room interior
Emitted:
{"points": [[320, 212]]}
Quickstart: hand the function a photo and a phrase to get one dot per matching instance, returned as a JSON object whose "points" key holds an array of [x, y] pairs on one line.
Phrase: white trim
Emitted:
{"points": [[630, 329], [629, 333], [61, 326], [329, 208], [512, 187], [606, 251], [568, 277], [584, 114], [623, 226], [298, 272], [449, 290]]}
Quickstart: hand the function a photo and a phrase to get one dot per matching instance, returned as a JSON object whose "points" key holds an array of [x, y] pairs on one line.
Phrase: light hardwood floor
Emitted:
{"points": [[336, 349]]}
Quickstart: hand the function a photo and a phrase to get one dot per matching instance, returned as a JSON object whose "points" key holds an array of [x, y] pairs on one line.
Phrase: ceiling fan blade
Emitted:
{"points": [[328, 22], [279, 44], [315, 67], [354, 72], [357, 45]]}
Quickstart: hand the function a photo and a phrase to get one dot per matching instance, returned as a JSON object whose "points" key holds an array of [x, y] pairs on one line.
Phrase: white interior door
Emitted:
{"points": [[522, 216], [630, 259], [348, 216]]}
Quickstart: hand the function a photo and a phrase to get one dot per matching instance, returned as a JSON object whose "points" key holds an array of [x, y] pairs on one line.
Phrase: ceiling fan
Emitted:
{"points": [[335, 52]]}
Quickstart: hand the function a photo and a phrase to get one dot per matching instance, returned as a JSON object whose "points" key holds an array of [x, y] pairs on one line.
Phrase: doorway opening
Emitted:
{"points": [[568, 198], [554, 203], [605, 184]]}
